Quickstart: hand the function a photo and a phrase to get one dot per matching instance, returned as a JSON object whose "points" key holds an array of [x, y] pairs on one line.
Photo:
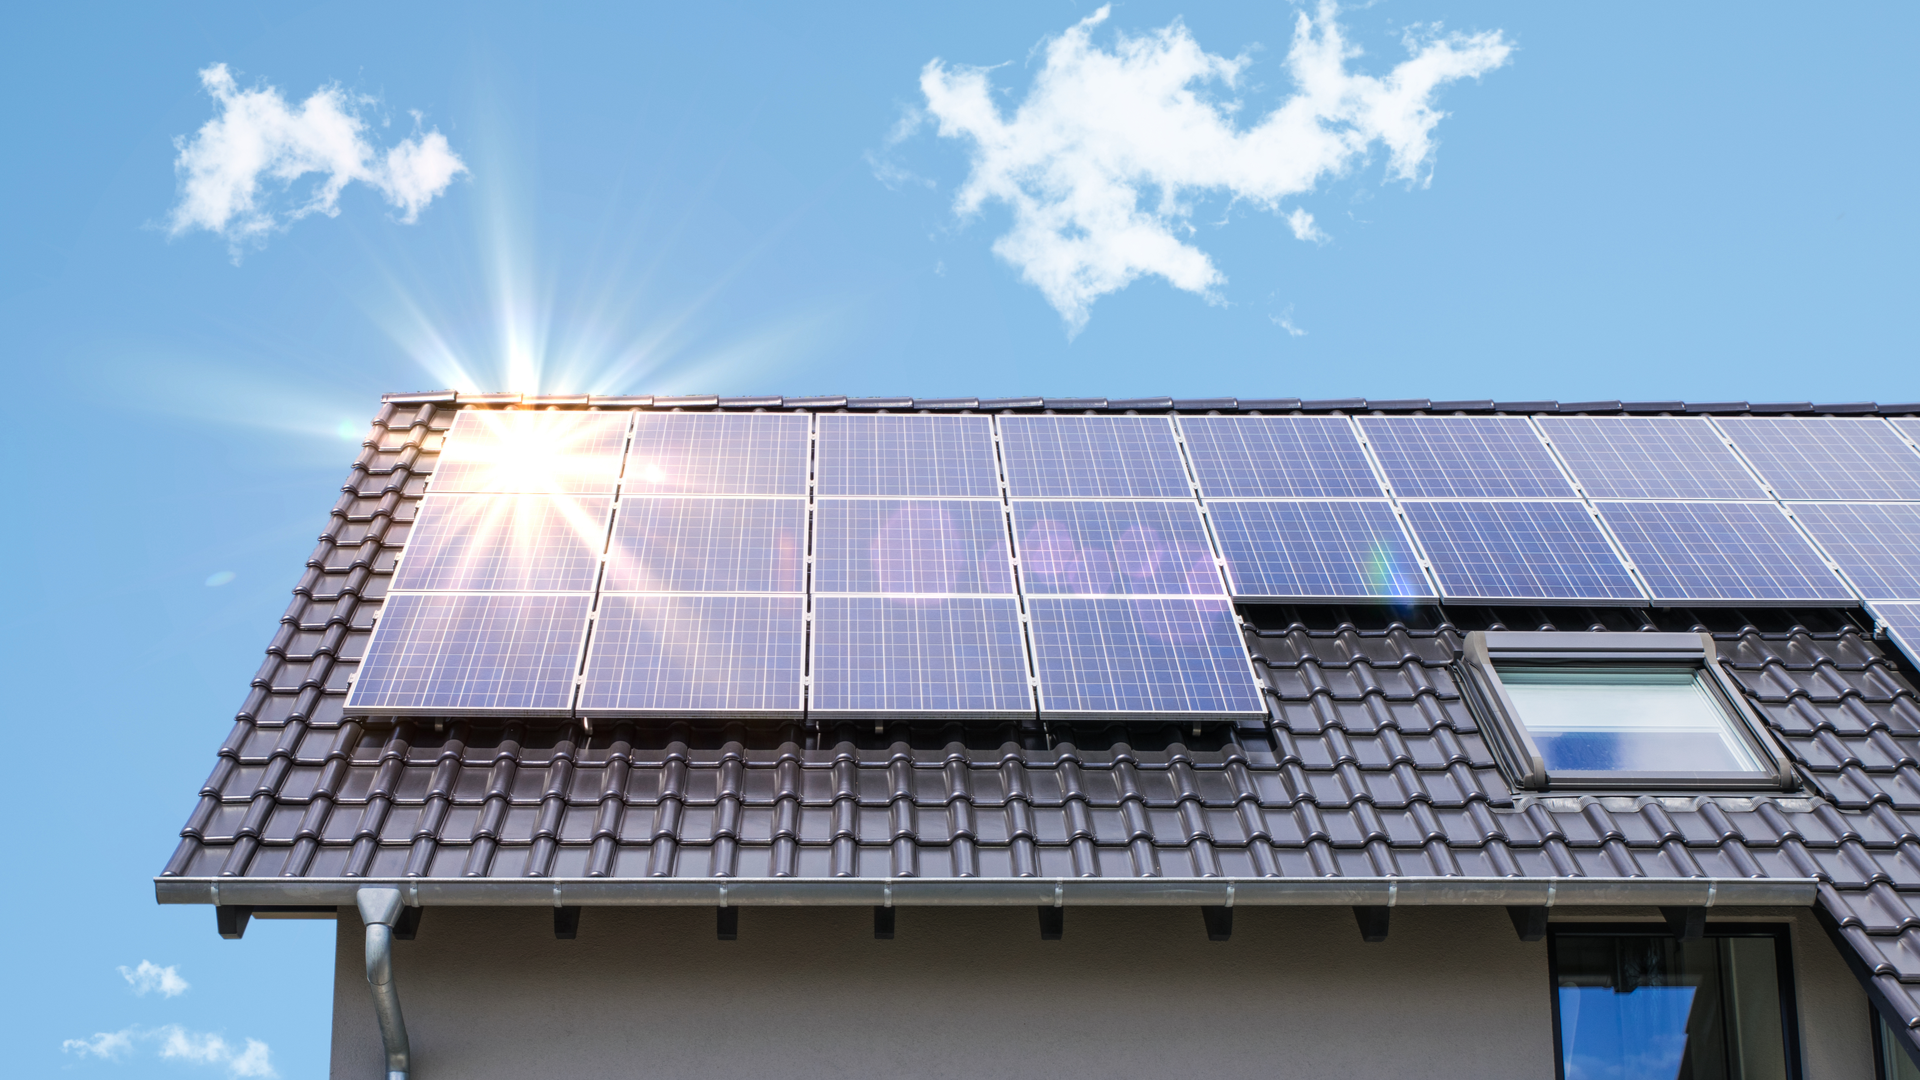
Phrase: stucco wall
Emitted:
{"points": [[974, 993]]}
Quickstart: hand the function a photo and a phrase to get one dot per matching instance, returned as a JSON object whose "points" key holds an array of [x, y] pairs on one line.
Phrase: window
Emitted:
{"points": [[1895, 1060], [1630, 1003], [1603, 711]]}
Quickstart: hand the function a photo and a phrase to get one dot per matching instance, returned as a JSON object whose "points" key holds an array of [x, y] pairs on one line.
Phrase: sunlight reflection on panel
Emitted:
{"points": [[505, 543], [719, 454], [911, 546], [708, 545], [532, 453]]}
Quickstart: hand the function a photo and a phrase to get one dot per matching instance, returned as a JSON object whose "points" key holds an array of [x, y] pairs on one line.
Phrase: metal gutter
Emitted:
{"points": [[992, 892]]}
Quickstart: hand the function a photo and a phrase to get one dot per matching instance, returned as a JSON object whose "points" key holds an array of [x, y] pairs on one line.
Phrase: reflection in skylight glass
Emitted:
{"points": [[1633, 720]]}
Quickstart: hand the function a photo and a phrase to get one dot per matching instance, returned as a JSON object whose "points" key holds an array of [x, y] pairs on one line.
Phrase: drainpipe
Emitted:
{"points": [[380, 909]]}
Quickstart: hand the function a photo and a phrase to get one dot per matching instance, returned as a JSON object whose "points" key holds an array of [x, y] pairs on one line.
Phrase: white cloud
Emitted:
{"points": [[1303, 227], [237, 172], [1101, 161], [150, 976], [1284, 321], [246, 1062]]}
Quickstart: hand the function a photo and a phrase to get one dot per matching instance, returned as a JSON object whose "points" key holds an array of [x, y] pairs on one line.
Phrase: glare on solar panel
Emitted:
{"points": [[1092, 457], [882, 656], [913, 455], [1149, 548], [928, 546], [505, 543], [1278, 457], [718, 454], [1876, 544], [1141, 658], [1650, 457], [696, 656], [1519, 551], [1464, 457], [1318, 550], [708, 545], [450, 655], [512, 452], [1827, 457], [1903, 625], [1700, 552]]}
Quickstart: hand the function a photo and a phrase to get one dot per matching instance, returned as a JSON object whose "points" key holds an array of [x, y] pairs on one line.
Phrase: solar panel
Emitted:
{"points": [[1699, 552], [1650, 457], [1827, 457], [1114, 548], [665, 544], [471, 654], [718, 454], [1317, 550], [882, 656], [1903, 626], [1092, 457], [1464, 457], [695, 656], [1278, 457], [907, 455], [937, 546], [1876, 544], [532, 452], [1503, 551], [1138, 657], [505, 543]]}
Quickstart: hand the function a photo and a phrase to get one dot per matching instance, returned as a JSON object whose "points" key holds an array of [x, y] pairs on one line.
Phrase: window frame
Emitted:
{"points": [[1882, 1050], [1781, 933], [1519, 756]]}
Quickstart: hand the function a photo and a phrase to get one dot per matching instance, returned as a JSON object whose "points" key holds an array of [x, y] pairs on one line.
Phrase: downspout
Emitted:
{"points": [[380, 909]]}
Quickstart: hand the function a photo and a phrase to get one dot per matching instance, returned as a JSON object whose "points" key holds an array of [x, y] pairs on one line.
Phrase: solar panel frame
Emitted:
{"points": [[1102, 658], [1902, 621], [1837, 458], [472, 654], [935, 547], [878, 657], [637, 661], [719, 454], [495, 452], [1317, 550], [464, 542], [736, 544], [1114, 548], [1679, 458], [1278, 457], [906, 456], [1464, 457], [1876, 545], [1092, 457], [1463, 538], [1722, 553]]}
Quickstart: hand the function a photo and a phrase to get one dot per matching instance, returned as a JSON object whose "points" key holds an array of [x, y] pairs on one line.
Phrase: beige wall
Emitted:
{"points": [[974, 993]]}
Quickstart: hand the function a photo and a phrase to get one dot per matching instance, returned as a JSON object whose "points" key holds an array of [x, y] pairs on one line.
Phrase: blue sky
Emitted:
{"points": [[1707, 202]]}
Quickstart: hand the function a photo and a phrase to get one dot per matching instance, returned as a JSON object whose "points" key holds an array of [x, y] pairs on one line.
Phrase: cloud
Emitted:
{"points": [[1100, 163], [1284, 321], [238, 171], [175, 1043], [150, 976]]}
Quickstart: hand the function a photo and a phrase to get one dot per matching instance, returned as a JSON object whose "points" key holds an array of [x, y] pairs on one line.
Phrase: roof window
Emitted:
{"points": [[1616, 711]]}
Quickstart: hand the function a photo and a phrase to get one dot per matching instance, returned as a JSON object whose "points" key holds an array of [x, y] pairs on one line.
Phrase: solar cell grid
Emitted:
{"points": [[1827, 457], [1508, 551], [1700, 552], [1650, 457], [1316, 550], [718, 454], [928, 546], [1092, 457], [1278, 457], [1150, 548], [1138, 657], [708, 545], [473, 653], [505, 543], [696, 655], [515, 452], [1876, 544], [1464, 457], [1903, 625], [947, 456], [958, 656]]}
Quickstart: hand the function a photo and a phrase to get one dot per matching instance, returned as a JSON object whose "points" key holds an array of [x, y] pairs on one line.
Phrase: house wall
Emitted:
{"points": [[808, 992]]}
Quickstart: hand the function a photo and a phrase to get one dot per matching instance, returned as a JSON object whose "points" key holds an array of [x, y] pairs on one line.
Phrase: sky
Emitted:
{"points": [[225, 230]]}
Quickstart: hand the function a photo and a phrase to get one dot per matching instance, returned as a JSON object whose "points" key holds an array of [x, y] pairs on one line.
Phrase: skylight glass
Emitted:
{"points": [[1655, 719]]}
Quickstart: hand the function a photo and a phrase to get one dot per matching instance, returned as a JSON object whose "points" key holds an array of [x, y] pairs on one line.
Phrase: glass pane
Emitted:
{"points": [[1620, 719], [1655, 1008], [1895, 1062]]}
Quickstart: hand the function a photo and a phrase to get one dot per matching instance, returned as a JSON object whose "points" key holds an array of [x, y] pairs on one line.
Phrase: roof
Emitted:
{"points": [[1370, 784]]}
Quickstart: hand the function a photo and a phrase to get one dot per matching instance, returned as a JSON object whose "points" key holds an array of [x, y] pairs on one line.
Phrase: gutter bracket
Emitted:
{"points": [[380, 909]]}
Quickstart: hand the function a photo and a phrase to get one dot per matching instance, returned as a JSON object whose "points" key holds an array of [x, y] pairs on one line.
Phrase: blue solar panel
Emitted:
{"points": [[532, 452], [1650, 457], [708, 546], [1317, 550], [505, 543], [1498, 551], [1903, 625], [1135, 657], [1278, 457], [1827, 457], [907, 456], [1092, 457], [696, 655], [1464, 457], [1876, 544], [459, 654], [718, 454], [928, 546], [1114, 548], [1712, 552], [882, 656]]}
